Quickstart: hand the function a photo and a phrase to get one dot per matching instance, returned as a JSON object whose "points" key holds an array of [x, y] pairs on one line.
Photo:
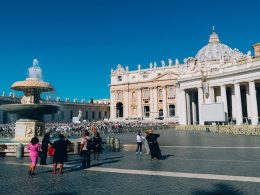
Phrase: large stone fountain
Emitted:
{"points": [[31, 110]]}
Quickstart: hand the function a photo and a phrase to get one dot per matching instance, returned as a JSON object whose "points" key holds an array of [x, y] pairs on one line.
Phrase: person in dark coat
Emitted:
{"points": [[153, 145], [97, 143], [60, 154], [45, 144]]}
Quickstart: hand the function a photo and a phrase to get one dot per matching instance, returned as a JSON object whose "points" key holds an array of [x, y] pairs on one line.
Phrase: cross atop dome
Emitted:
{"points": [[213, 38]]}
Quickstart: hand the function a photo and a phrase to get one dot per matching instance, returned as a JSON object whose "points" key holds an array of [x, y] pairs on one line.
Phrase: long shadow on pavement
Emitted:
{"points": [[164, 157], [219, 188]]}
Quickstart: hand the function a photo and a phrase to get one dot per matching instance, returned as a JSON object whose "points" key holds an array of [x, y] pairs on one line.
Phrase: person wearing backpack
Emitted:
{"points": [[85, 150]]}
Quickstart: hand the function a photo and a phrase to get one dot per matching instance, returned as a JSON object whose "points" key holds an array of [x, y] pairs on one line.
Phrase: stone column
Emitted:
{"points": [[165, 114], [194, 108], [239, 116], [254, 106], [233, 99], [112, 105], [155, 95], [139, 103], [182, 107], [188, 108], [212, 94], [224, 99], [200, 102], [248, 102], [126, 104], [151, 103]]}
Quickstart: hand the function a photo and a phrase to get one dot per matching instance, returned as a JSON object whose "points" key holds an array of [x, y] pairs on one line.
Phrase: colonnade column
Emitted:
{"points": [[212, 94], [224, 99], [139, 103], [239, 116], [188, 110], [182, 108], [248, 102], [254, 107], [194, 108], [151, 103], [233, 100], [155, 102], [164, 102], [200, 102]]}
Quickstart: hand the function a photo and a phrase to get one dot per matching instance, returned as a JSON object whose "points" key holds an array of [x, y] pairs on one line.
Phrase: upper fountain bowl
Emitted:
{"points": [[32, 83]]}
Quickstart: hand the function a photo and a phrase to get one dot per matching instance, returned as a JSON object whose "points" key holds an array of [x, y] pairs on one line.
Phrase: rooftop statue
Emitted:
{"points": [[163, 63], [170, 62], [151, 65], [139, 66], [176, 61]]}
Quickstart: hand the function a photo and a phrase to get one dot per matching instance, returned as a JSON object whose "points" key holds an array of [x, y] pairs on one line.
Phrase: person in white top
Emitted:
{"points": [[139, 141], [85, 150]]}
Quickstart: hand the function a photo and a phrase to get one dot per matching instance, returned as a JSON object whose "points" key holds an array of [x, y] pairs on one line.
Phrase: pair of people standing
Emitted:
{"points": [[86, 145]]}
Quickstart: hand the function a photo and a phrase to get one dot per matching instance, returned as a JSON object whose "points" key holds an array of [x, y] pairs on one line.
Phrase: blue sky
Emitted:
{"points": [[78, 42]]}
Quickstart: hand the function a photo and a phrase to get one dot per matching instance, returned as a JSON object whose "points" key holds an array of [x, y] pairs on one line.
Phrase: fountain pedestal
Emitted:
{"points": [[26, 129]]}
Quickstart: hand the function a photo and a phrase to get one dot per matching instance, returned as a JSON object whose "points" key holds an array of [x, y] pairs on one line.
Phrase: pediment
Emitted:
{"points": [[165, 76]]}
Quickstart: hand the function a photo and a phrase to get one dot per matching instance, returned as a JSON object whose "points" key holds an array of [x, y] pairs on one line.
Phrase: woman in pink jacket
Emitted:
{"points": [[34, 148]]}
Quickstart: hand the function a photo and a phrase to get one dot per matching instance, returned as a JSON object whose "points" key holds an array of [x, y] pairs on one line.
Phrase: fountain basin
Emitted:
{"points": [[21, 109]]}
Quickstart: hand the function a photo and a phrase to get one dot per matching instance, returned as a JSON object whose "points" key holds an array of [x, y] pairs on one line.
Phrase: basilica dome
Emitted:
{"points": [[214, 50]]}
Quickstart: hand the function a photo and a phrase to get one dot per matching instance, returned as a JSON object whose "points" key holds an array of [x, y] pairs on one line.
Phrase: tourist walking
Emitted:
{"points": [[34, 148], [153, 145], [45, 143], [85, 150], [60, 153], [139, 142], [97, 145], [146, 144]]}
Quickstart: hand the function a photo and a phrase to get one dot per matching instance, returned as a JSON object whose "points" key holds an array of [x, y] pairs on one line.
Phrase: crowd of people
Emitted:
{"points": [[75, 129]]}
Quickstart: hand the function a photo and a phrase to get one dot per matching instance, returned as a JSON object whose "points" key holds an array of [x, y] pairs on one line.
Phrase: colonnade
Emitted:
{"points": [[190, 107]]}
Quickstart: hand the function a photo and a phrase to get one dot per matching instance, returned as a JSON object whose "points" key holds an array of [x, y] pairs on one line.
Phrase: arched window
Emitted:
{"points": [[172, 110], [161, 112], [119, 110]]}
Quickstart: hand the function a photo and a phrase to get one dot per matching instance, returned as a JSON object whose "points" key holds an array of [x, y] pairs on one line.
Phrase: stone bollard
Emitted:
{"points": [[76, 148], [19, 151], [111, 142], [108, 140], [117, 144]]}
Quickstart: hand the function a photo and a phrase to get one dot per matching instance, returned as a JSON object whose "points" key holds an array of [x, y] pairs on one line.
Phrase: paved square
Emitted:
{"points": [[194, 163]]}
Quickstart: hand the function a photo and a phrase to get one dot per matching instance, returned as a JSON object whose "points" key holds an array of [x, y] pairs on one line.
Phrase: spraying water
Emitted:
{"points": [[35, 71]]}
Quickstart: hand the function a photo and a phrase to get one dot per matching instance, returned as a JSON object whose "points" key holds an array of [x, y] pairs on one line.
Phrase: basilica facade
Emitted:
{"points": [[177, 92]]}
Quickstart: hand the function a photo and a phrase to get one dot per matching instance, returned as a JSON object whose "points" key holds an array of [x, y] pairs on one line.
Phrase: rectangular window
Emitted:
{"points": [[86, 114], [99, 114], [93, 115], [105, 114], [62, 114]]}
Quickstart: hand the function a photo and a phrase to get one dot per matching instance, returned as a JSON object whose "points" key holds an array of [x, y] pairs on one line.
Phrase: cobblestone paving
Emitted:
{"points": [[223, 161]]}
